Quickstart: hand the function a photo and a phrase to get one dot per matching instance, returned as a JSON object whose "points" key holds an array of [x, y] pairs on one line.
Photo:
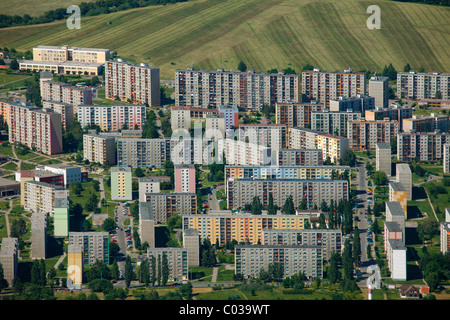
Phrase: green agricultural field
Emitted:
{"points": [[265, 34]]}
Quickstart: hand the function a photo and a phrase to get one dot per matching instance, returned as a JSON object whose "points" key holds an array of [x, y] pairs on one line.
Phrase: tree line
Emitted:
{"points": [[86, 9]]}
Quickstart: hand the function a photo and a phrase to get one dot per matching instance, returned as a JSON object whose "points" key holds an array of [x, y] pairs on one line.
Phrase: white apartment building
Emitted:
{"points": [[99, 149], [243, 153], [180, 118], [249, 90], [39, 196], [112, 117], [379, 89], [334, 122], [412, 85], [322, 86]]}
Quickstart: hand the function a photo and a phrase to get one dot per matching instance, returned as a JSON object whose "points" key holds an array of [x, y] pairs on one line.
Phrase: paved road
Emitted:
{"points": [[363, 225]]}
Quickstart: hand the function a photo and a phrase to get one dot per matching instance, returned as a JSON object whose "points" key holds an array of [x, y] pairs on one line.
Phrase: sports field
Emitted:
{"points": [[265, 34]]}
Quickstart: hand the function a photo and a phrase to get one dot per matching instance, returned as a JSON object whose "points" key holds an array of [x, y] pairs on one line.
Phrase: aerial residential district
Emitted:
{"points": [[221, 184]]}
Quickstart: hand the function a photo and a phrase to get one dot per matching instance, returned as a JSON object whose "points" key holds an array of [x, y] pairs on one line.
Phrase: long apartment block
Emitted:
{"points": [[39, 129], [165, 205], [394, 113], [413, 85], [334, 122], [364, 135], [322, 86], [330, 240], [426, 146], [242, 191], [359, 103], [112, 117], [270, 135], [299, 157], [251, 259], [333, 147], [245, 153], [429, 123], [136, 83], [296, 114], [225, 226], [283, 172], [249, 90]]}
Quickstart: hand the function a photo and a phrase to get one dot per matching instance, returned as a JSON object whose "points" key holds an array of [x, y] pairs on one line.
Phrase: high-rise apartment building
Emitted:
{"points": [[61, 213], [225, 226], [244, 153], [397, 192], [333, 147], [284, 172], [64, 109], [99, 149], [180, 118], [191, 243], [131, 82], [184, 178], [9, 258], [322, 86], [57, 91], [269, 135], [404, 176], [425, 146], [231, 114], [429, 123], [299, 157], [143, 153], [359, 103], [242, 191], [165, 205], [94, 245], [121, 183], [249, 90], [36, 129], [296, 114], [412, 85], [39, 197], [38, 236], [177, 262], [330, 240], [446, 158], [394, 113], [383, 158], [379, 89], [334, 122], [215, 126], [148, 185], [112, 117], [147, 223], [365, 135], [251, 259]]}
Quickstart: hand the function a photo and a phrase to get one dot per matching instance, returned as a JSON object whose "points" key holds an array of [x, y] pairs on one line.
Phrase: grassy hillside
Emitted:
{"points": [[265, 34]]}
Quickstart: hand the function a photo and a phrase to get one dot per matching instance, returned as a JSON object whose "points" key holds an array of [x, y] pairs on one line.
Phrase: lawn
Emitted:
{"points": [[265, 34]]}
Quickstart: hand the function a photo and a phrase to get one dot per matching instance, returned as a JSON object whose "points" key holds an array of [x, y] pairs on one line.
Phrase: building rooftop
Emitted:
{"points": [[395, 208], [396, 186], [146, 211], [403, 167], [9, 246], [381, 145]]}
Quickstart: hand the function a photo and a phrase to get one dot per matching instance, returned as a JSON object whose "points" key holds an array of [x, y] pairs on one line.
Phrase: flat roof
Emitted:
{"points": [[395, 208]]}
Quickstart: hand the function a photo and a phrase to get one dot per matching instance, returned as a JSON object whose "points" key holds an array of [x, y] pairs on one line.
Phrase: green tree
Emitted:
{"points": [[242, 66], [128, 271], [144, 273], [165, 269], [270, 206], [333, 273]]}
